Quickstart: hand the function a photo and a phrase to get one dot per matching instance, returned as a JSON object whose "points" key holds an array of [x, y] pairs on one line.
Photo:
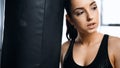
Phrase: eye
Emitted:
{"points": [[79, 12], [94, 8]]}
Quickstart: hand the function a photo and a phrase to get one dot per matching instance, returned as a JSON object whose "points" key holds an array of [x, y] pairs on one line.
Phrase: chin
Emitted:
{"points": [[92, 31]]}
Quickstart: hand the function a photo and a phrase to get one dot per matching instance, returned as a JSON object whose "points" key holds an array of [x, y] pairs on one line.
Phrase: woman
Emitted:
{"points": [[87, 48]]}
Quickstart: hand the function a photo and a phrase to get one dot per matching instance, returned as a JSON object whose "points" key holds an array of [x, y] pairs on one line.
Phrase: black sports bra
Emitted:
{"points": [[101, 60]]}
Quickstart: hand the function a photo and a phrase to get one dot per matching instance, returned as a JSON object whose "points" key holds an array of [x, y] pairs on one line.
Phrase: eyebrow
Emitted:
{"points": [[82, 7], [92, 3]]}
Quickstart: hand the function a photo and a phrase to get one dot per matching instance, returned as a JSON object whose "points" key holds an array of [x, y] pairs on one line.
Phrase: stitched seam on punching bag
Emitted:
{"points": [[43, 31]]}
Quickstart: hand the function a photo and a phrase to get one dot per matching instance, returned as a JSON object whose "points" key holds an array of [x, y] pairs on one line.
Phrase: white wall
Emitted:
{"points": [[1, 21]]}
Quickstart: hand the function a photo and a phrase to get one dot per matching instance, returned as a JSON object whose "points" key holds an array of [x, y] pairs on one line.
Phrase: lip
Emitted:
{"points": [[91, 25]]}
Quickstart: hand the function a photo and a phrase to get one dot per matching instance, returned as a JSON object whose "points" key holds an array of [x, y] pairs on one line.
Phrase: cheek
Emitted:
{"points": [[79, 24], [96, 15], [80, 21], [97, 18]]}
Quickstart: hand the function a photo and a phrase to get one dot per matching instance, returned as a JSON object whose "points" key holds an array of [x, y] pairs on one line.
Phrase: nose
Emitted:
{"points": [[89, 16]]}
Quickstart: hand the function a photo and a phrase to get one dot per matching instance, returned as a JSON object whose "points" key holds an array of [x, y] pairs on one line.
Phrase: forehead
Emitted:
{"points": [[81, 3]]}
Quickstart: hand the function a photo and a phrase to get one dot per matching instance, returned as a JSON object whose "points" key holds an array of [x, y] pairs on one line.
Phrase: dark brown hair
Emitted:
{"points": [[71, 33]]}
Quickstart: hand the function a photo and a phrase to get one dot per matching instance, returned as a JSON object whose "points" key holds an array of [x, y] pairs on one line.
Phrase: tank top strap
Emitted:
{"points": [[103, 50], [104, 44], [69, 51]]}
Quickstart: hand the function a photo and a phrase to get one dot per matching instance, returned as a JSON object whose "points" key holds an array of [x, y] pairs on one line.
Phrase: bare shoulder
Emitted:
{"points": [[114, 49], [114, 42], [65, 47]]}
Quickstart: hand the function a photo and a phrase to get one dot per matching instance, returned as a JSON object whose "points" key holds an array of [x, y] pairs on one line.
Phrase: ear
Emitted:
{"points": [[69, 19]]}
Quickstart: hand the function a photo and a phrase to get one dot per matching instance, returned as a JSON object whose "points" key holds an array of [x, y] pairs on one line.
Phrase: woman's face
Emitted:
{"points": [[84, 15]]}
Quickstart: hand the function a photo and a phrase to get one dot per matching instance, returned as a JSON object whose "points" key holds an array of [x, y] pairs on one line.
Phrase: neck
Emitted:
{"points": [[89, 39]]}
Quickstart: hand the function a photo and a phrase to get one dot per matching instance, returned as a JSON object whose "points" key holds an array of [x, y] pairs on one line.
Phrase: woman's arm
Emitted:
{"points": [[63, 52], [114, 51], [61, 61], [117, 53], [61, 66]]}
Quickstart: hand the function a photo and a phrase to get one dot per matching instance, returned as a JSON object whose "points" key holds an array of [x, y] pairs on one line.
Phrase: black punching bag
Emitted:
{"points": [[32, 33]]}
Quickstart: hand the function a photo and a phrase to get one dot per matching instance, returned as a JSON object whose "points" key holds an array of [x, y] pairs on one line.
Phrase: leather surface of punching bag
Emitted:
{"points": [[32, 33]]}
